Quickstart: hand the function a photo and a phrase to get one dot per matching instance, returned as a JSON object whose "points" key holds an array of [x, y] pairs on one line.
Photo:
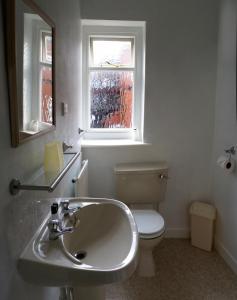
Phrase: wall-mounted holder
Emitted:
{"points": [[231, 150], [226, 162], [15, 184]]}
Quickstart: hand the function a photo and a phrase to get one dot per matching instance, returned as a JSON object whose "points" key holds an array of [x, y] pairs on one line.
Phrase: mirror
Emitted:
{"points": [[30, 49]]}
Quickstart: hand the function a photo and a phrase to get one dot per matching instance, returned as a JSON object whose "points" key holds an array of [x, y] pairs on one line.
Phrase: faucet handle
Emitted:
{"points": [[54, 225], [65, 204]]}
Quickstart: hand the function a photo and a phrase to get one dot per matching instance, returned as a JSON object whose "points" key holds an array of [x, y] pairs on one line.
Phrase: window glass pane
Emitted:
{"points": [[46, 94], [111, 99], [46, 47], [112, 53]]}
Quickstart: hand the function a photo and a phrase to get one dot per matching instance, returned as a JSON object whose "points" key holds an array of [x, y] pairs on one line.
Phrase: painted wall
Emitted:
{"points": [[225, 186], [21, 215], [180, 95]]}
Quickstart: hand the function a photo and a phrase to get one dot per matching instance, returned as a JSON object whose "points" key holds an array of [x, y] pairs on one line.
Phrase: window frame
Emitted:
{"points": [[115, 30]]}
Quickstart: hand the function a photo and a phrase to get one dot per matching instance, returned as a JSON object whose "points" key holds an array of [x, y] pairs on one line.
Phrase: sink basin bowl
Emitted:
{"points": [[101, 228], [101, 250]]}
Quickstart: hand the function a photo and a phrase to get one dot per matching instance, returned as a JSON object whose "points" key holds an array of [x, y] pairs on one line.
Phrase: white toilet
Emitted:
{"points": [[142, 187]]}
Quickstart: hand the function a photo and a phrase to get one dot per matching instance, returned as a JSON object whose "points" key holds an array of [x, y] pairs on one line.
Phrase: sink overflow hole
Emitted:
{"points": [[80, 254]]}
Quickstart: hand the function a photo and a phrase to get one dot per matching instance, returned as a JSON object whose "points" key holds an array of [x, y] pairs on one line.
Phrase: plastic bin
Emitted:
{"points": [[203, 216]]}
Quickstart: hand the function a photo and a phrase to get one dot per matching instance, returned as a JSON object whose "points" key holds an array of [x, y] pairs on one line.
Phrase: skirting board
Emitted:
{"points": [[226, 255], [177, 233]]}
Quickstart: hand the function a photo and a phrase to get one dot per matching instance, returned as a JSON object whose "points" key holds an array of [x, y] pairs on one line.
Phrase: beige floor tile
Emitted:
{"points": [[183, 273]]}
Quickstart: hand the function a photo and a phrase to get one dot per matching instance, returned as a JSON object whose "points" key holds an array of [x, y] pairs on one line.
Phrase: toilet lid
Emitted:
{"points": [[150, 223]]}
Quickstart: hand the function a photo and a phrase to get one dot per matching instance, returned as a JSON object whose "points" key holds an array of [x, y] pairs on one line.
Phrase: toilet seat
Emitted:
{"points": [[149, 222]]}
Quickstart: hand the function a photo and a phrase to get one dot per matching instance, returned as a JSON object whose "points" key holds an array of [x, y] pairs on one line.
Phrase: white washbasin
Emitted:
{"points": [[107, 234]]}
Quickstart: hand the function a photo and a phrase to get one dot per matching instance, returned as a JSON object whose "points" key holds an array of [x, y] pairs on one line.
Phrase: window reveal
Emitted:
{"points": [[113, 79]]}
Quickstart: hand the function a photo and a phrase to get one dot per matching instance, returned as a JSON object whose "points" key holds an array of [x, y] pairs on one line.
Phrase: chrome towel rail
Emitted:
{"points": [[15, 184]]}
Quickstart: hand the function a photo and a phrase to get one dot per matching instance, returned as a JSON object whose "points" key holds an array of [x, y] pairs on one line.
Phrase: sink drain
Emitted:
{"points": [[80, 254]]}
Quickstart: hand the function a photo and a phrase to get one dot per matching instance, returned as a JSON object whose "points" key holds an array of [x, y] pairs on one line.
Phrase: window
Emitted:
{"points": [[113, 54]]}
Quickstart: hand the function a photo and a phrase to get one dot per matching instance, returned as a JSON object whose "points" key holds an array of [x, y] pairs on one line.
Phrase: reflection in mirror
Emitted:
{"points": [[31, 56], [37, 70]]}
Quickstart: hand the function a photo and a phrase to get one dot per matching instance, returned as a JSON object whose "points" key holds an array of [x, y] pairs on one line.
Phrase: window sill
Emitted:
{"points": [[111, 143]]}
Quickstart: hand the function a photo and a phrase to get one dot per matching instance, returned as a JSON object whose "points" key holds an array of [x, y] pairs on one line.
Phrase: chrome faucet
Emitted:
{"points": [[55, 226], [55, 229], [65, 208]]}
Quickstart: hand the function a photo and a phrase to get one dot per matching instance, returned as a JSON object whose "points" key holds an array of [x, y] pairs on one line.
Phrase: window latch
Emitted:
{"points": [[81, 131]]}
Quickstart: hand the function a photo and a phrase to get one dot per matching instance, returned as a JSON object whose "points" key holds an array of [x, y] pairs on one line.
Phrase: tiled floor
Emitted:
{"points": [[184, 273]]}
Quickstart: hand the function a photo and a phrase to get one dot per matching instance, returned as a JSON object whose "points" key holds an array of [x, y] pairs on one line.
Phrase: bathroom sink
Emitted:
{"points": [[102, 249]]}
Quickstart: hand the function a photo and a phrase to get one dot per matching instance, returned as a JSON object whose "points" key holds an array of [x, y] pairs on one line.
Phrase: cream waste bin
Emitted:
{"points": [[203, 216]]}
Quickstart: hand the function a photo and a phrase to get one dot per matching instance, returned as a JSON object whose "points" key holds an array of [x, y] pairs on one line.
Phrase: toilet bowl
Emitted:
{"points": [[142, 187], [151, 228]]}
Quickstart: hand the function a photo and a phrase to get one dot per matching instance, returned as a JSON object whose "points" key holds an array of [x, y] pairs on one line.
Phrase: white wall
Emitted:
{"points": [[225, 186], [21, 215], [180, 96]]}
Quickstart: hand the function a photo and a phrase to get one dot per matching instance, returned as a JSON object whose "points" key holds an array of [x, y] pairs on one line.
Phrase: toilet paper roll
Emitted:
{"points": [[226, 163]]}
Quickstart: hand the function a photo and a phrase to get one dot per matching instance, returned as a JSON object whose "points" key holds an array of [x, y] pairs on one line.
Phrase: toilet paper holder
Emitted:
{"points": [[226, 162], [231, 151]]}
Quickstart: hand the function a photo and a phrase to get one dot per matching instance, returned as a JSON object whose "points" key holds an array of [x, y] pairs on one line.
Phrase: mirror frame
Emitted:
{"points": [[16, 137]]}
